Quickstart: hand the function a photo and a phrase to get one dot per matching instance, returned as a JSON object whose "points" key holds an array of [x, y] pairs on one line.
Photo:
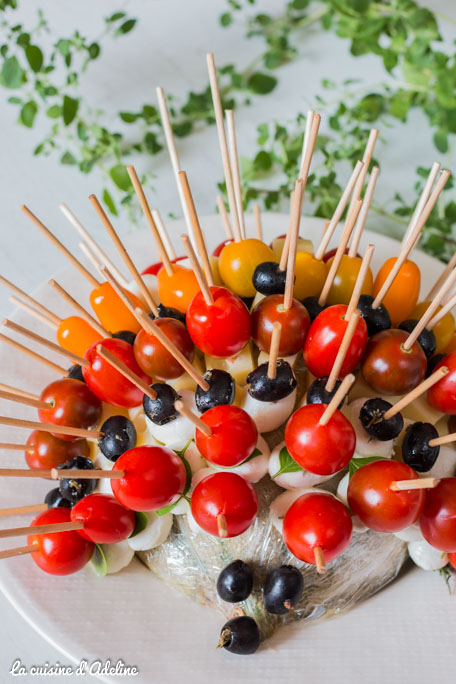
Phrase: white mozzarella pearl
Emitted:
{"points": [[426, 556], [365, 444], [179, 431], [268, 415], [341, 494], [118, 556], [254, 469], [296, 480], [412, 533], [155, 533]]}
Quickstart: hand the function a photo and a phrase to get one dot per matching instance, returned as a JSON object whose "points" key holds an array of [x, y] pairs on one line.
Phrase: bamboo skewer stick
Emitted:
{"points": [[124, 254], [34, 355], [62, 249], [420, 483], [320, 560], [445, 439], [200, 424], [21, 510], [35, 402], [222, 526], [362, 217], [19, 392], [14, 447], [234, 160], [416, 392], [305, 143], [32, 302], [197, 232], [62, 474], [20, 551], [274, 349], [443, 312], [90, 256], [258, 227], [223, 145], [120, 292], [342, 390], [80, 309], [41, 529], [94, 246], [168, 245], [343, 349], [202, 282], [423, 198], [225, 218], [295, 220], [361, 277], [126, 372], [308, 153], [286, 243], [441, 279], [37, 315], [367, 156], [50, 427]]}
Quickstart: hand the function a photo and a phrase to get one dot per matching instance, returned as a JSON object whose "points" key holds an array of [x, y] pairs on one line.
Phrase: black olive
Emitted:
{"points": [[264, 388], [240, 635], [161, 409], [432, 362], [376, 319], [313, 307], [75, 372], [235, 582], [119, 435], [125, 335], [317, 394], [371, 417], [170, 312], [416, 451], [268, 278], [222, 389], [54, 499], [282, 589], [426, 338], [248, 301], [451, 424], [75, 490]]}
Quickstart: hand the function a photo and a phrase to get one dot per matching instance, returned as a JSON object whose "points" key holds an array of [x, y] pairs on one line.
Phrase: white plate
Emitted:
{"points": [[409, 627]]}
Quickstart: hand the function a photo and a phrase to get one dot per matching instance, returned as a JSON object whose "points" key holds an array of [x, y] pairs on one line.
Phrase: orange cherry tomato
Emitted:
{"points": [[451, 347], [111, 311], [177, 290], [76, 335], [402, 296], [344, 281], [238, 261], [443, 331]]}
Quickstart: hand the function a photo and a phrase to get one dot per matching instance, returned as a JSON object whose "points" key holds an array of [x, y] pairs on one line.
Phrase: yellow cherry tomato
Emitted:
{"points": [[443, 331], [76, 335], [344, 282], [302, 246], [111, 311], [238, 261], [177, 290], [402, 296], [310, 275], [451, 347]]}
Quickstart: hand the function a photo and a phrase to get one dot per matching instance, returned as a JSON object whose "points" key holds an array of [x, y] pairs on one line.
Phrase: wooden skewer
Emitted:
{"points": [[305, 143], [197, 232], [168, 245], [321, 249], [61, 474], [41, 529], [20, 551], [80, 309], [225, 218], [223, 145], [33, 312], [32, 302], [446, 439], [443, 312], [34, 355], [319, 560], [331, 408], [234, 159], [308, 153], [420, 483], [21, 510], [153, 329], [362, 217], [367, 156], [274, 349], [257, 217], [343, 349], [14, 447], [124, 254], [50, 427], [95, 247], [90, 256], [286, 243], [423, 198], [200, 424], [121, 293], [52, 238], [126, 372], [441, 279], [295, 221], [27, 401], [202, 282], [222, 527], [19, 392], [416, 392], [349, 224], [74, 358], [361, 277]]}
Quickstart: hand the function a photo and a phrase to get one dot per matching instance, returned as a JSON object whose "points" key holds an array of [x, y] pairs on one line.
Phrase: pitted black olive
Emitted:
{"points": [[416, 451], [119, 435], [222, 389], [372, 420], [313, 307], [426, 338], [161, 409], [376, 319], [268, 278], [125, 335], [264, 388], [318, 394]]}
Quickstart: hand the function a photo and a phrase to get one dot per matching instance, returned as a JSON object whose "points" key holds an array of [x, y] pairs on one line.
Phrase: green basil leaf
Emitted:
{"points": [[70, 109], [287, 464], [141, 521], [107, 199], [28, 112], [120, 177], [357, 463], [99, 562], [11, 74], [261, 84], [34, 57]]}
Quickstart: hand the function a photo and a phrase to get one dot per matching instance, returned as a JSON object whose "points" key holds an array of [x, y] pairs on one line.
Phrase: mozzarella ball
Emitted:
{"points": [[296, 480], [268, 415], [426, 556], [155, 533]]}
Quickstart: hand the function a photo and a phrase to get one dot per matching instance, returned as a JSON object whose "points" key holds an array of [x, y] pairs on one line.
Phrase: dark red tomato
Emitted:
{"points": [[442, 395], [221, 329], [332, 252], [218, 249], [154, 268], [371, 498], [155, 477], [390, 369], [72, 403], [317, 520], [320, 449], [295, 324], [106, 382], [154, 359], [438, 519], [46, 451], [105, 520], [228, 495], [325, 337], [59, 553], [452, 560], [234, 436]]}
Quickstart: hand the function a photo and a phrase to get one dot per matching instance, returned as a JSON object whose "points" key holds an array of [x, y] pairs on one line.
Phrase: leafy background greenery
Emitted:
{"points": [[44, 80]]}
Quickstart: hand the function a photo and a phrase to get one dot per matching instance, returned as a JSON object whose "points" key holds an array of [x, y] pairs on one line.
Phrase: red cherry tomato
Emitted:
{"points": [[218, 249], [325, 337], [154, 478], [106, 382], [317, 520], [105, 520], [154, 268], [46, 451], [320, 449], [438, 519], [452, 560], [442, 395], [152, 356], [221, 329], [72, 403], [388, 368], [295, 324], [371, 498], [233, 439], [226, 494], [59, 553]]}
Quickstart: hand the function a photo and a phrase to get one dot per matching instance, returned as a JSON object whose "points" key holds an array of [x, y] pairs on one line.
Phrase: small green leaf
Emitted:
{"points": [[34, 57], [120, 177], [226, 19], [115, 17], [107, 199], [28, 113], [126, 27], [141, 521], [128, 117], [11, 74], [99, 562], [68, 158], [261, 84], [54, 112], [287, 464], [357, 463], [70, 109], [441, 140], [94, 50]]}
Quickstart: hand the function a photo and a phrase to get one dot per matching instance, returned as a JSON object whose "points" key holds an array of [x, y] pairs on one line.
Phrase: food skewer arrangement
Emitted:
{"points": [[262, 382]]}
